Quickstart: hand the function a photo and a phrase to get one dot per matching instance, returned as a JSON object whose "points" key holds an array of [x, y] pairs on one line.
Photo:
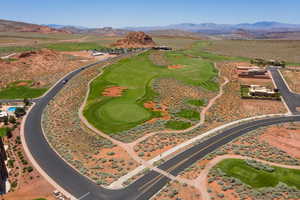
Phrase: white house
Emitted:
{"points": [[3, 114]]}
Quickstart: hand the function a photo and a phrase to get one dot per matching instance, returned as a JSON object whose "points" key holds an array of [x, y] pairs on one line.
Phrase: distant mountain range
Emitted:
{"points": [[212, 28], [258, 30]]}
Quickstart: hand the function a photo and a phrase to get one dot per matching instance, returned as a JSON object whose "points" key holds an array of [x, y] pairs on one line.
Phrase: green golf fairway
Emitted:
{"points": [[259, 178], [114, 114]]}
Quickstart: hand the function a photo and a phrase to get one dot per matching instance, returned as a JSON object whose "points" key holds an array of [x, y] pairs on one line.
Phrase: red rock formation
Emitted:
{"points": [[135, 40]]}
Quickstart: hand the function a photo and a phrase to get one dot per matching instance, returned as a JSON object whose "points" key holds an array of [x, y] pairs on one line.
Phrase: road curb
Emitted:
{"points": [[35, 164]]}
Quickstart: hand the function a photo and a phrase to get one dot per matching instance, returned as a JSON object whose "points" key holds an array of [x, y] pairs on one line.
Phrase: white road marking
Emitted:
{"points": [[83, 196]]}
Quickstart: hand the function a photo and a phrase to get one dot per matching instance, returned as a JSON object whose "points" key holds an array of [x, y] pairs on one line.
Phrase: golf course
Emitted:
{"points": [[136, 75], [259, 178]]}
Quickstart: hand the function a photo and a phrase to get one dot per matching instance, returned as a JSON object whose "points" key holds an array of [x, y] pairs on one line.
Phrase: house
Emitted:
{"points": [[246, 68], [254, 73], [97, 54], [165, 48], [3, 114], [257, 90]]}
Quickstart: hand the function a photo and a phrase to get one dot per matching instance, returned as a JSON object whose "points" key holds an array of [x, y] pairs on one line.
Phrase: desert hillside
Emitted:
{"points": [[135, 40], [12, 26], [44, 67]]}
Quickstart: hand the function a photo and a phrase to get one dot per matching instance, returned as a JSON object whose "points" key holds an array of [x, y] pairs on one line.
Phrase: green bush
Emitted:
{"points": [[188, 114], [197, 102], [178, 125]]}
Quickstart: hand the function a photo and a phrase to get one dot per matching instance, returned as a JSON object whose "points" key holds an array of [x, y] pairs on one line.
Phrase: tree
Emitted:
{"points": [[12, 119], [26, 102], [20, 112], [5, 120]]}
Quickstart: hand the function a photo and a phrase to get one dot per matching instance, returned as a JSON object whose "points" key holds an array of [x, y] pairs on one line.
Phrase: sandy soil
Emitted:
{"points": [[293, 79], [286, 138], [178, 191], [115, 91], [40, 188], [22, 84]]}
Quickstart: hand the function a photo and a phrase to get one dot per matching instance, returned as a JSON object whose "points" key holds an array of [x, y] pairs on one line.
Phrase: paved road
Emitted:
{"points": [[146, 186], [291, 99]]}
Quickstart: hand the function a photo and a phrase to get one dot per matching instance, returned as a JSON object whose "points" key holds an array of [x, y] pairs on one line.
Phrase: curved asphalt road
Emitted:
{"points": [[146, 186]]}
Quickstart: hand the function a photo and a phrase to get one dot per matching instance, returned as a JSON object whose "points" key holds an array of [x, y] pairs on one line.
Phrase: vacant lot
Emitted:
{"points": [[268, 49], [114, 114], [293, 79]]}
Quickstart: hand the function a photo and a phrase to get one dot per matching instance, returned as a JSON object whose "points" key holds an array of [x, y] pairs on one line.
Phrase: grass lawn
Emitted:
{"points": [[14, 49], [3, 132], [178, 125], [13, 91], [115, 114], [73, 46], [188, 114], [196, 102], [259, 178], [66, 46]]}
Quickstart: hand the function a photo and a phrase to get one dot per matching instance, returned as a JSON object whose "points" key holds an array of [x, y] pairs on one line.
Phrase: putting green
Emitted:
{"points": [[115, 114], [123, 112]]}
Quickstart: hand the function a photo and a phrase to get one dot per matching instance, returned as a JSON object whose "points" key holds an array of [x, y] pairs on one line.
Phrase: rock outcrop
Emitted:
{"points": [[135, 40]]}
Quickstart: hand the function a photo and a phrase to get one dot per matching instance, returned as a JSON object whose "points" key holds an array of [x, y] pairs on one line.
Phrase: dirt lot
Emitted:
{"points": [[268, 49], [285, 137], [293, 79]]}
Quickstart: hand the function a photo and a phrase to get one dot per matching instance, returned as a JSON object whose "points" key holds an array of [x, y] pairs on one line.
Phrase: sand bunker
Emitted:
{"points": [[115, 91], [175, 66], [23, 83], [163, 109]]}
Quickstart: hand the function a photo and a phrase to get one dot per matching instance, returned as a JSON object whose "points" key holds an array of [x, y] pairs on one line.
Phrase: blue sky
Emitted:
{"points": [[122, 13]]}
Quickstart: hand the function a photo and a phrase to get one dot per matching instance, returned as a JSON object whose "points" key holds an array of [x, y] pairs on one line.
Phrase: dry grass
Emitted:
{"points": [[268, 49], [175, 191], [293, 79]]}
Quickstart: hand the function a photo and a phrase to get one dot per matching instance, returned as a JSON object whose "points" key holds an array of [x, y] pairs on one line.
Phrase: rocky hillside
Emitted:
{"points": [[135, 40], [12, 26]]}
